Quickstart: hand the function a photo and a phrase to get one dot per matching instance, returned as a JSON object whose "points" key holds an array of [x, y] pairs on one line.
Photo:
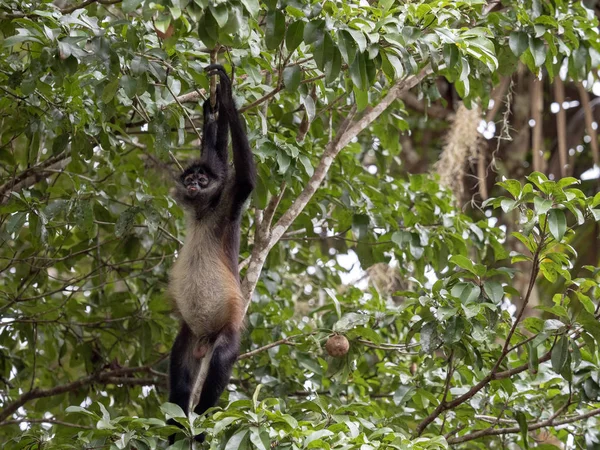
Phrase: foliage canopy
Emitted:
{"points": [[99, 105]]}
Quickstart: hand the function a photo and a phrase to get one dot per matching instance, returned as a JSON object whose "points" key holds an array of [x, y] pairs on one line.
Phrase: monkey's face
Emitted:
{"points": [[196, 180]]}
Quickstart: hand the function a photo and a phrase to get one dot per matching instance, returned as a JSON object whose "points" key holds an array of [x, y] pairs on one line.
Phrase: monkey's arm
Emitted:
{"points": [[215, 137], [245, 171]]}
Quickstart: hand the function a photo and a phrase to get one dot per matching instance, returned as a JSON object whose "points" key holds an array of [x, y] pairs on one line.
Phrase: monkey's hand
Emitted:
{"points": [[224, 97]]}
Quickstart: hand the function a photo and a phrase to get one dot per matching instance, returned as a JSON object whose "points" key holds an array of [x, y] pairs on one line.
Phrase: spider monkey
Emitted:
{"points": [[204, 282]]}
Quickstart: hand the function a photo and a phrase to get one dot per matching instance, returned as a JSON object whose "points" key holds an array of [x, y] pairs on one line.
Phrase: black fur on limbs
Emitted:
{"points": [[204, 282]]}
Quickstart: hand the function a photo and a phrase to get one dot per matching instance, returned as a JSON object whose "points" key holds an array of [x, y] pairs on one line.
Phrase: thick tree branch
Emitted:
{"points": [[348, 131]]}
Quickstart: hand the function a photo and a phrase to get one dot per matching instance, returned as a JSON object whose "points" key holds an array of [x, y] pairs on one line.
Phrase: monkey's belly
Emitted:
{"points": [[204, 298]]}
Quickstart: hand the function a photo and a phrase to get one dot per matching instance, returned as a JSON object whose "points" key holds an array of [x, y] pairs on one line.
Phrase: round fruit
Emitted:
{"points": [[337, 345]]}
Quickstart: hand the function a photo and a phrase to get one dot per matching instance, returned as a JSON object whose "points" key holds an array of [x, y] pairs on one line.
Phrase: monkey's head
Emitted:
{"points": [[198, 183]]}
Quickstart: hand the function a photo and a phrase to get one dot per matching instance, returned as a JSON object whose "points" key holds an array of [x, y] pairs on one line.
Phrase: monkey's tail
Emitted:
{"points": [[215, 370]]}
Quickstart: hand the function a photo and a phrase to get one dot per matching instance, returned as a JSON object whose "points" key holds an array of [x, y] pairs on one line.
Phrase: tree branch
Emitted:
{"points": [[85, 3], [99, 377], [50, 421], [348, 131], [283, 341], [494, 374], [551, 422], [32, 175]]}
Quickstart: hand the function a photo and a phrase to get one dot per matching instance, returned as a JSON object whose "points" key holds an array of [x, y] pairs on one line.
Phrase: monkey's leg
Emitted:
{"points": [[225, 352], [182, 367]]}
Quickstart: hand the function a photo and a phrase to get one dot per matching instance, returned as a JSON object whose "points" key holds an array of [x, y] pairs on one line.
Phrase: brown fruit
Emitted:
{"points": [[337, 345]]}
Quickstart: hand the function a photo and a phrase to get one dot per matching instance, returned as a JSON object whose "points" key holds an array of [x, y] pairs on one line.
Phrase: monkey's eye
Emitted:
{"points": [[187, 180], [203, 180]]}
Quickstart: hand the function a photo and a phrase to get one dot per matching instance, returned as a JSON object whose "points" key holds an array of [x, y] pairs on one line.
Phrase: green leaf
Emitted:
{"points": [[275, 29], [292, 76], [361, 97], [513, 187], [567, 181], [313, 31], [466, 292], [130, 5], [463, 262], [16, 222], [557, 223], [549, 271], [518, 42], [316, 435], [84, 217], [523, 427], [208, 29], [79, 409], [454, 330], [333, 66], [129, 85], [172, 410], [349, 321], [294, 35], [307, 165], [358, 72], [259, 439], [429, 337], [534, 360], [494, 291], [553, 325], [590, 324], [324, 51], [559, 355], [542, 206], [360, 39], [126, 221], [60, 143], [538, 50], [348, 46], [109, 91], [235, 442], [403, 394], [586, 302], [220, 13], [508, 205], [283, 161], [252, 6]]}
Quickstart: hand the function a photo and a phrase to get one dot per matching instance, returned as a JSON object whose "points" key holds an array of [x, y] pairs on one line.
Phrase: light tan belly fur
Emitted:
{"points": [[202, 287]]}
